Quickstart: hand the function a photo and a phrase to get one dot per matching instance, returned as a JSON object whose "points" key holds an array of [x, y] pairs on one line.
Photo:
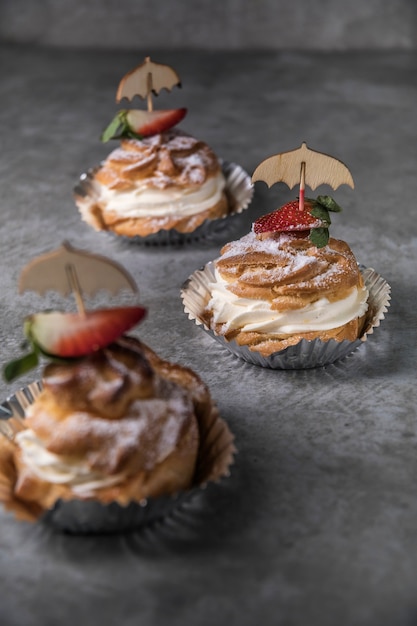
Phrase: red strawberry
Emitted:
{"points": [[289, 218], [74, 334], [146, 123], [138, 123]]}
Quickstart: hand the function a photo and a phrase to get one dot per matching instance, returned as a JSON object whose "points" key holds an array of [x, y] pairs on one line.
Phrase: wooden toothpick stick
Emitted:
{"points": [[75, 287], [149, 96], [302, 186]]}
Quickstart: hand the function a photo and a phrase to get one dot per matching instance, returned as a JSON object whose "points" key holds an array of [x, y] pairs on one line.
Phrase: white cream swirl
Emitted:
{"points": [[248, 314], [63, 470], [142, 201]]}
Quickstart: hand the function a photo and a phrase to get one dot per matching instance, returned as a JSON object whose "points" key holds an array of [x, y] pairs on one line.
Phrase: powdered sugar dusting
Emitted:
{"points": [[263, 278], [165, 160], [78, 435]]}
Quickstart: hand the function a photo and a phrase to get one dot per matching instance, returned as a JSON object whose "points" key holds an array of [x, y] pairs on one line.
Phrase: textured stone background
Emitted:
{"points": [[317, 524], [212, 24]]}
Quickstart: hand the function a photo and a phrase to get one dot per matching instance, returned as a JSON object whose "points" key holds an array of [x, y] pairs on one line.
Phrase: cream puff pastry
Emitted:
{"points": [[166, 181], [269, 293], [119, 425]]}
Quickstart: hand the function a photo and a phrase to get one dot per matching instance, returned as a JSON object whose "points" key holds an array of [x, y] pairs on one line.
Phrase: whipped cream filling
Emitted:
{"points": [[53, 468], [249, 314], [142, 201]]}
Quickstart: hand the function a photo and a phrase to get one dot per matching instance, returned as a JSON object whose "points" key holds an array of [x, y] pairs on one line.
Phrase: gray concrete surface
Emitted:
{"points": [[212, 24], [317, 523]]}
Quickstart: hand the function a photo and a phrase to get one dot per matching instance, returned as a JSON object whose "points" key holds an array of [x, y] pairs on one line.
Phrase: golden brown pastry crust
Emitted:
{"points": [[170, 160], [123, 409], [290, 273], [267, 345]]}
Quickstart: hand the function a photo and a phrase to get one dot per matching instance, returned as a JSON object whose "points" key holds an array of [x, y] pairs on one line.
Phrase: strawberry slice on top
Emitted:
{"points": [[289, 218], [69, 335], [147, 123], [312, 221], [137, 123], [60, 335]]}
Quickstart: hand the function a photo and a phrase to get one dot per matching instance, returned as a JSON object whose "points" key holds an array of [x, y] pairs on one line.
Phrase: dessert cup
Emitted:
{"points": [[238, 189], [196, 294], [215, 457]]}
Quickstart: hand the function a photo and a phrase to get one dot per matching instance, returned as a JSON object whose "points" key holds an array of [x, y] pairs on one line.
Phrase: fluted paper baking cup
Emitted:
{"points": [[305, 354], [215, 457], [239, 191]]}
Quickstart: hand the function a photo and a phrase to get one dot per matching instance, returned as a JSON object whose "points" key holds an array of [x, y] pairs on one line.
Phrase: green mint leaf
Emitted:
{"points": [[329, 203], [118, 128], [321, 212], [20, 366], [319, 237], [115, 128], [131, 134]]}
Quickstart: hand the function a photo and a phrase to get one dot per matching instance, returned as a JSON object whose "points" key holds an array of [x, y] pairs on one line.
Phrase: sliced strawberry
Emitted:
{"points": [[289, 218], [137, 123], [73, 334], [146, 123]]}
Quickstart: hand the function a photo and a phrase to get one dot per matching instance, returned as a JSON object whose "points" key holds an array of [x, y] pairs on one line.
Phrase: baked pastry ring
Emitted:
{"points": [[287, 275], [163, 182]]}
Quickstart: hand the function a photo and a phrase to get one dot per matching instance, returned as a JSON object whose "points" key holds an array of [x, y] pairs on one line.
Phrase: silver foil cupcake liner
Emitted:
{"points": [[304, 355], [216, 456], [239, 191]]}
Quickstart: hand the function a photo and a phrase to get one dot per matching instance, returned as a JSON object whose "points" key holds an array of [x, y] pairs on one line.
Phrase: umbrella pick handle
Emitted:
{"points": [[75, 287], [302, 186], [150, 85]]}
